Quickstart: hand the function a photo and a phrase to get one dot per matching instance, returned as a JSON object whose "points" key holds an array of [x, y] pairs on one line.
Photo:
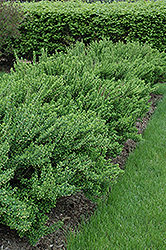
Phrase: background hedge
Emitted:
{"points": [[56, 25]]}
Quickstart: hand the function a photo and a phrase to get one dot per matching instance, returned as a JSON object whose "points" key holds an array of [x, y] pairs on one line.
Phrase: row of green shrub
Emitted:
{"points": [[61, 120], [56, 25]]}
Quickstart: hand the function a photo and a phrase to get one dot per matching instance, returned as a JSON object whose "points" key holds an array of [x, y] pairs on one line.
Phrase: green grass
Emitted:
{"points": [[134, 214]]}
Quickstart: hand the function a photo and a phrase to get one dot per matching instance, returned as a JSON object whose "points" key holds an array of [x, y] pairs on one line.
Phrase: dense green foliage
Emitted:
{"points": [[133, 215], [61, 119], [56, 25], [10, 18]]}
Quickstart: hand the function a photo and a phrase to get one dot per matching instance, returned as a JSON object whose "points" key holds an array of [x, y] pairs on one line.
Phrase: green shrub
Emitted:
{"points": [[10, 17], [43, 158], [61, 118], [56, 25]]}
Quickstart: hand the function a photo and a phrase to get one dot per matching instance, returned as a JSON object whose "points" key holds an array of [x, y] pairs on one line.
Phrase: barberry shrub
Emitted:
{"points": [[60, 119], [11, 16], [45, 154]]}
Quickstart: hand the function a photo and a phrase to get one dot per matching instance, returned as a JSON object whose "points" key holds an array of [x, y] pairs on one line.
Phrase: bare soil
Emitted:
{"points": [[71, 209]]}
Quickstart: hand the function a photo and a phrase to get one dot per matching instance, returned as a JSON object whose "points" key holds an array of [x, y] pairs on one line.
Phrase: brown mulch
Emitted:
{"points": [[72, 209]]}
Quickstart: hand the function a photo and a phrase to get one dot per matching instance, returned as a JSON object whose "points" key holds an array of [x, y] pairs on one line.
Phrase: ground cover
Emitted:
{"points": [[133, 216]]}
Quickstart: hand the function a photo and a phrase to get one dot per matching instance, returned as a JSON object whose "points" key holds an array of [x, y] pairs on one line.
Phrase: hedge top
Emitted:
{"points": [[97, 8]]}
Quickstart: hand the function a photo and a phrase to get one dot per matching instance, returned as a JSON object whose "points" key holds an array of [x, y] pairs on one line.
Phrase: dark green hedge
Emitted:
{"points": [[56, 25]]}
